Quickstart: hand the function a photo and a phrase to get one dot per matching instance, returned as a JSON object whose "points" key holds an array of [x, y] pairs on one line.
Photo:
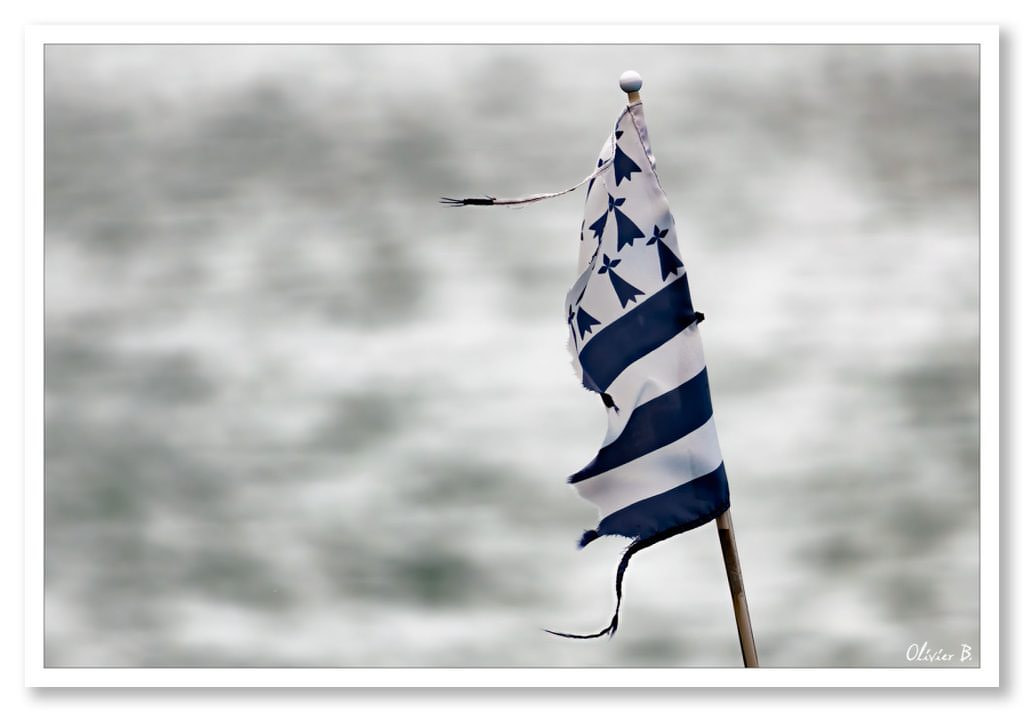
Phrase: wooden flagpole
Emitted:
{"points": [[727, 538], [630, 82]]}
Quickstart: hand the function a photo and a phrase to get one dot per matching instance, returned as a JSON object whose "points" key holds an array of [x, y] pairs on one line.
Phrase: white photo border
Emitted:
{"points": [[986, 37]]}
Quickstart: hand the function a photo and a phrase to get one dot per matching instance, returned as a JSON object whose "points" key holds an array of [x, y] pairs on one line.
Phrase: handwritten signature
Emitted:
{"points": [[921, 653]]}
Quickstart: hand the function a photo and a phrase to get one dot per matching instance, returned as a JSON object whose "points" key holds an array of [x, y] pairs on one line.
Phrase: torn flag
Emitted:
{"points": [[634, 340]]}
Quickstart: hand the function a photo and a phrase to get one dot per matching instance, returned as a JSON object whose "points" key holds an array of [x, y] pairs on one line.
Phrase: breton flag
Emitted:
{"points": [[635, 341]]}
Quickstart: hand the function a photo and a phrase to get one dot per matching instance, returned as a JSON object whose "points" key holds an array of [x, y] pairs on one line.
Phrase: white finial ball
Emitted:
{"points": [[630, 81]]}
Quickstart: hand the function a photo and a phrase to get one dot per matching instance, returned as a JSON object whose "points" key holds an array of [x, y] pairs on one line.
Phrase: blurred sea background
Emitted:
{"points": [[298, 414]]}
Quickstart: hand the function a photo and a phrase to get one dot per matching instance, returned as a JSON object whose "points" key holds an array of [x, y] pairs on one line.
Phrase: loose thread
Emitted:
{"points": [[491, 200]]}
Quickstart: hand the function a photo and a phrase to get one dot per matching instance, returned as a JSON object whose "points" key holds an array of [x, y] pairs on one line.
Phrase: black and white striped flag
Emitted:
{"points": [[634, 340]]}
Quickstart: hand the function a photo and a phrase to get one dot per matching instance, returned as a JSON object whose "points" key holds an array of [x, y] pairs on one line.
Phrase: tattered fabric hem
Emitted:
{"points": [[636, 546]]}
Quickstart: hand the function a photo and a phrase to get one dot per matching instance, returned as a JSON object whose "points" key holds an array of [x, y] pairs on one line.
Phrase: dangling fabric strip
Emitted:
{"points": [[490, 200], [636, 546]]}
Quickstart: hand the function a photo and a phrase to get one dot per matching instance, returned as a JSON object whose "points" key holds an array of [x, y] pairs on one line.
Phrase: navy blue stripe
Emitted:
{"points": [[681, 508], [655, 424], [636, 333]]}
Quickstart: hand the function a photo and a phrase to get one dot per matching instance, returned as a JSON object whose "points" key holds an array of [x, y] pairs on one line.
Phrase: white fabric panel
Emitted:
{"points": [[667, 367], [689, 457]]}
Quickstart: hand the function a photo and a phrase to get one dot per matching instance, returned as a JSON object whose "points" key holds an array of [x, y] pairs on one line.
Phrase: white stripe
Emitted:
{"points": [[667, 367], [691, 456]]}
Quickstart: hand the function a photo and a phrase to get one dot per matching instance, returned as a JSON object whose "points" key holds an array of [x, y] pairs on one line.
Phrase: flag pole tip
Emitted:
{"points": [[630, 81]]}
